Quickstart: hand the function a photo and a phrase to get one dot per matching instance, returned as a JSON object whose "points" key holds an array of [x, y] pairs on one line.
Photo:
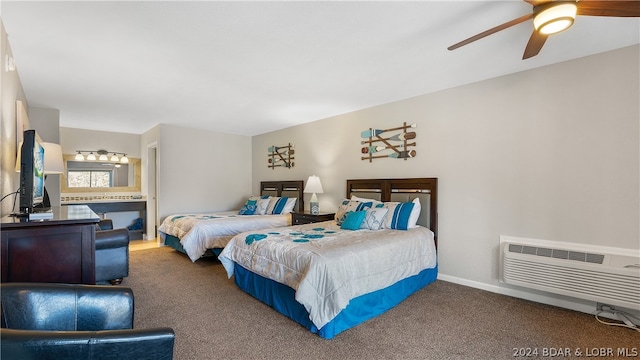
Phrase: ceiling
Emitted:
{"points": [[253, 67]]}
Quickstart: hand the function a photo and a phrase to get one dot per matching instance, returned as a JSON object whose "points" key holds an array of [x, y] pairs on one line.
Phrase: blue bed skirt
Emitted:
{"points": [[282, 299], [174, 242]]}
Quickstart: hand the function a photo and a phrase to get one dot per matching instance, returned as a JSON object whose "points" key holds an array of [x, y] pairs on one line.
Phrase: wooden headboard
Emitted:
{"points": [[287, 188], [402, 190]]}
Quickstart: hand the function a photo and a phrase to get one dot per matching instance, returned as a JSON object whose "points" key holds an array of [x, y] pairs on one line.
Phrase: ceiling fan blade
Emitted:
{"points": [[491, 31], [534, 45], [624, 8]]}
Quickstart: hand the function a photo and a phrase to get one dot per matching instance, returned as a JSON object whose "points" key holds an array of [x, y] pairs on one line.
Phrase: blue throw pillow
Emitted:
{"points": [[353, 219], [249, 207], [350, 205]]}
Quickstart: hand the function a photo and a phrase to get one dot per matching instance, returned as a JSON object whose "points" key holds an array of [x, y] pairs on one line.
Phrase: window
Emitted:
{"points": [[89, 178]]}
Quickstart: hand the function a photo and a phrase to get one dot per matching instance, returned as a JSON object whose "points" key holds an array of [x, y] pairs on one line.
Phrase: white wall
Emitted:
{"points": [[10, 91], [47, 124], [200, 171], [551, 153]]}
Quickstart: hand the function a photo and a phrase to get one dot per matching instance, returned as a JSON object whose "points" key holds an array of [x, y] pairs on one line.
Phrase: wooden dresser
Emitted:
{"points": [[61, 249]]}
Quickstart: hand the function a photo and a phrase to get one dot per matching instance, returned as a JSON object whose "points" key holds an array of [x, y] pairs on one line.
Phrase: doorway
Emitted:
{"points": [[152, 191]]}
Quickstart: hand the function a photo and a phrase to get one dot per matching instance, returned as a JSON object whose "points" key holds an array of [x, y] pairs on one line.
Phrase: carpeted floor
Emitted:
{"points": [[213, 319]]}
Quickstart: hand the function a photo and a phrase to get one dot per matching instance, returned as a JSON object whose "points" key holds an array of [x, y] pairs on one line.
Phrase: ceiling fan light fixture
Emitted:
{"points": [[553, 17]]}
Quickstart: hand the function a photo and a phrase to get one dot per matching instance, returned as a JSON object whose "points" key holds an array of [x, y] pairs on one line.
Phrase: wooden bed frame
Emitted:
{"points": [[426, 189], [289, 188]]}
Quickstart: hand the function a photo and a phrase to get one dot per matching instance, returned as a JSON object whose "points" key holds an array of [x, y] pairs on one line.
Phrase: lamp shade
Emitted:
{"points": [[53, 163], [18, 157], [313, 185]]}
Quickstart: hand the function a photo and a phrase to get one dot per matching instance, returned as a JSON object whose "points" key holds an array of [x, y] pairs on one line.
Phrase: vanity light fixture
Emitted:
{"points": [[103, 155]]}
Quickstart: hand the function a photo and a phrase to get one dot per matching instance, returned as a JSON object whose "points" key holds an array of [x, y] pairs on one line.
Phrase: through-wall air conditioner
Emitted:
{"points": [[597, 273]]}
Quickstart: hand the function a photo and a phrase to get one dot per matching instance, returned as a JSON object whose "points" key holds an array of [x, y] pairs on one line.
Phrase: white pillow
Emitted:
{"points": [[374, 218], [288, 207], [415, 213]]}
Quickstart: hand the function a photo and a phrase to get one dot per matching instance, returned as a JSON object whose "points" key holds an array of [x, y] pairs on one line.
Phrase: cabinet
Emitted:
{"points": [[61, 249], [116, 206], [299, 218]]}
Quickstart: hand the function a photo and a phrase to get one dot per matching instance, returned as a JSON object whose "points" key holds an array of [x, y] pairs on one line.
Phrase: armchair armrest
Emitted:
{"points": [[110, 239], [143, 344], [105, 224]]}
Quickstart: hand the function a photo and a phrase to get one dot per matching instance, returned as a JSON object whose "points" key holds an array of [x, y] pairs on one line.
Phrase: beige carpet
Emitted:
{"points": [[213, 319]]}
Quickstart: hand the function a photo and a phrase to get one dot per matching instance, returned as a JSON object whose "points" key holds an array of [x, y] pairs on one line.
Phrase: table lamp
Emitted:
{"points": [[314, 186], [53, 164]]}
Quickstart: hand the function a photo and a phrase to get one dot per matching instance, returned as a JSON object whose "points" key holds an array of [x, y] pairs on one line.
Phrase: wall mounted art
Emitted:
{"points": [[281, 156], [385, 143]]}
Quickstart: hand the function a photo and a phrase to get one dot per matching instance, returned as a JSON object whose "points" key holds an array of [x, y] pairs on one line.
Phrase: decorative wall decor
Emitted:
{"points": [[381, 144], [281, 156]]}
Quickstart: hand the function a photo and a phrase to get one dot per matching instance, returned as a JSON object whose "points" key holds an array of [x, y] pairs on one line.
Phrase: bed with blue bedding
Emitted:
{"points": [[199, 235], [334, 275]]}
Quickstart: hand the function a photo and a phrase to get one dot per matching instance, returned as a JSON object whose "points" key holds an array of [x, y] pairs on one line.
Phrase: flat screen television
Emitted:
{"points": [[31, 173]]}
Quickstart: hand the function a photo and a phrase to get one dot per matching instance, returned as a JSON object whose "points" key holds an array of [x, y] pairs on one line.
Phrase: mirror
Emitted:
{"points": [[124, 178]]}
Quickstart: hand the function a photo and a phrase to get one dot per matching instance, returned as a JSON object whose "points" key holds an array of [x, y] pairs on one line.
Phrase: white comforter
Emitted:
{"points": [[199, 232], [327, 266]]}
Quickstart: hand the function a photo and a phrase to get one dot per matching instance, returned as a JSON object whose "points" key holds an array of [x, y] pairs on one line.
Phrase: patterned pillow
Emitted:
{"points": [[374, 218], [350, 205], [249, 208], [375, 203], [353, 219], [398, 216], [263, 204]]}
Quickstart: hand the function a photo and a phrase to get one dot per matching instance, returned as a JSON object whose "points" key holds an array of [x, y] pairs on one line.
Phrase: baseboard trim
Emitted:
{"points": [[559, 300]]}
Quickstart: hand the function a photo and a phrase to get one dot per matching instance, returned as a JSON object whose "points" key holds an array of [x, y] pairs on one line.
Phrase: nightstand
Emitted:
{"points": [[299, 218]]}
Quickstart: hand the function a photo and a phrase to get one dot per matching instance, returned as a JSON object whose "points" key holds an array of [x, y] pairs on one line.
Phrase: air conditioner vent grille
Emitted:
{"points": [[557, 253], [601, 274]]}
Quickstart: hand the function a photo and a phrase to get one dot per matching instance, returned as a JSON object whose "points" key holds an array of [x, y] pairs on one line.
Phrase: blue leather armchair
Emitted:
{"points": [[69, 321], [112, 253]]}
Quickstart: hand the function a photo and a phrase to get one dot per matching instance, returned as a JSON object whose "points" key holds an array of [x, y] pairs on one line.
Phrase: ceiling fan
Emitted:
{"points": [[550, 17]]}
